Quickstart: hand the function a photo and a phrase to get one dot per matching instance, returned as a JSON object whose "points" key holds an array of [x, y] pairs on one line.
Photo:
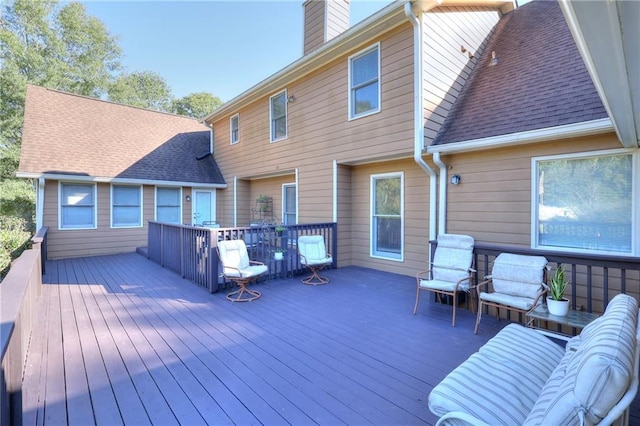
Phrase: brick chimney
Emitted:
{"points": [[324, 20]]}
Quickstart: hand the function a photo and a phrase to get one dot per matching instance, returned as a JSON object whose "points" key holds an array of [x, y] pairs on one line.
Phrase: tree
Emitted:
{"points": [[57, 47], [196, 105], [142, 89], [61, 48]]}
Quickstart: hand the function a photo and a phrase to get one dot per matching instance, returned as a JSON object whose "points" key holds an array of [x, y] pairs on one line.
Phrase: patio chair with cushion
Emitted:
{"points": [[237, 267], [450, 272], [314, 256], [516, 283]]}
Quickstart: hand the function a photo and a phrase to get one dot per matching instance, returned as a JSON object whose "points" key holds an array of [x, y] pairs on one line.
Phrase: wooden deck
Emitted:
{"points": [[123, 341]]}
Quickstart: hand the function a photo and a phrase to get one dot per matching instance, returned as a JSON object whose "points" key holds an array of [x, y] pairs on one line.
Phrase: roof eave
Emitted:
{"points": [[105, 179], [586, 128], [609, 43], [388, 17]]}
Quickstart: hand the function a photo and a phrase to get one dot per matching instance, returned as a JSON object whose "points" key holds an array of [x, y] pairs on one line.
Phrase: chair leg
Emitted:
{"points": [[455, 303], [315, 278], [243, 294], [475, 330], [415, 307]]}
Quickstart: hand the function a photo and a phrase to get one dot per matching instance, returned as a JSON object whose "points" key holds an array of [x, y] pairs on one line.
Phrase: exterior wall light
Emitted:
{"points": [[291, 98], [455, 179], [188, 198]]}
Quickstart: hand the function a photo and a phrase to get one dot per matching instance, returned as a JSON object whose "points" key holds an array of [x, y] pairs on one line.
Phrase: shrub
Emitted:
{"points": [[14, 239]]}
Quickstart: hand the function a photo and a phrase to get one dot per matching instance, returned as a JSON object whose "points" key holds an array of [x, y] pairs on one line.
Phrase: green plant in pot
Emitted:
{"points": [[280, 229], [278, 253], [556, 302]]}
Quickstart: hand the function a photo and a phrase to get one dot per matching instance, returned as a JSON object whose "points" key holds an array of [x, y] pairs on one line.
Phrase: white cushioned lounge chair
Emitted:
{"points": [[237, 267]]}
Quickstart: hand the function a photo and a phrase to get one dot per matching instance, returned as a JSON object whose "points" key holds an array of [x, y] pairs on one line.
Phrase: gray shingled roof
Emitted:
{"points": [[540, 80], [75, 135]]}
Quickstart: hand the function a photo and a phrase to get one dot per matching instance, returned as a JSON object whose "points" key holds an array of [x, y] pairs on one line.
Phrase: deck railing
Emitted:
{"points": [[595, 279], [191, 251], [19, 294]]}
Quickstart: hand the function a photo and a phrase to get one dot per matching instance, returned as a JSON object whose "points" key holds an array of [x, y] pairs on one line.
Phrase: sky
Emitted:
{"points": [[220, 47]]}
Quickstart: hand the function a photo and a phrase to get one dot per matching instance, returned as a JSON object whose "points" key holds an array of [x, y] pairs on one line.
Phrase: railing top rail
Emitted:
{"points": [[613, 261], [40, 235]]}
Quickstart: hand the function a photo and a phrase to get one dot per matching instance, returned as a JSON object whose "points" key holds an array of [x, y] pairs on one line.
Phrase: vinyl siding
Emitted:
{"points": [[493, 200], [416, 217], [337, 18], [314, 12], [446, 67], [103, 240]]}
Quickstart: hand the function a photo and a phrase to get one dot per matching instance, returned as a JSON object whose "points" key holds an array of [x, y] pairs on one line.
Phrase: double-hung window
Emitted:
{"points": [[364, 82], [584, 202], [234, 129], [278, 116], [387, 215], [77, 206], [126, 206], [168, 208]]}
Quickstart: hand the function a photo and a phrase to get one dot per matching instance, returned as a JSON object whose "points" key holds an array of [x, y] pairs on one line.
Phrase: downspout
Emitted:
{"points": [[40, 203], [442, 213], [235, 201], [211, 138], [418, 131]]}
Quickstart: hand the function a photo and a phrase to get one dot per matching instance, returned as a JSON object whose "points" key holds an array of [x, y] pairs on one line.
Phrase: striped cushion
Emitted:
{"points": [[501, 382], [595, 372]]}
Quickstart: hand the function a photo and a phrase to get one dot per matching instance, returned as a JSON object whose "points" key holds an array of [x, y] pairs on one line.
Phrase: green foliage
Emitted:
{"points": [[197, 105], [142, 89], [558, 284], [59, 46], [14, 239]]}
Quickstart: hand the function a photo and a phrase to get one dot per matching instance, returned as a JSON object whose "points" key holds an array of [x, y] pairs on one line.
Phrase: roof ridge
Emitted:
{"points": [[90, 98]]}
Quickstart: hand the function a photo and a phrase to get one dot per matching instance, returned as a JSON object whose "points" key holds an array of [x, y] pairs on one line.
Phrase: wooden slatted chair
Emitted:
{"points": [[450, 272], [314, 256], [237, 267], [516, 283]]}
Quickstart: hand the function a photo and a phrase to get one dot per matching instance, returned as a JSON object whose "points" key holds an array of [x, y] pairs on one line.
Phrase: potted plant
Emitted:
{"points": [[278, 253], [279, 230], [262, 202], [556, 302]]}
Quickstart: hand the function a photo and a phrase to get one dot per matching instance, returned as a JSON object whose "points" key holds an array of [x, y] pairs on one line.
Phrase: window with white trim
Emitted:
{"points": [[126, 206], [387, 215], [168, 206], [278, 116], [584, 202], [364, 82], [77, 205], [234, 129]]}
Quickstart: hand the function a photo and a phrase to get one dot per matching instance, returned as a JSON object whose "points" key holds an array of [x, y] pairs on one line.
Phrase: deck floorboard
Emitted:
{"points": [[121, 340]]}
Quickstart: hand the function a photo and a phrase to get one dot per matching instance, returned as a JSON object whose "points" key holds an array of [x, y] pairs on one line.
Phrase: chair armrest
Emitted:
{"points": [[540, 294], [255, 262], [460, 418]]}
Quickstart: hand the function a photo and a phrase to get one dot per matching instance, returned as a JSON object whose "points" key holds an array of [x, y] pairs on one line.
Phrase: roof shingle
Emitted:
{"points": [[75, 135], [540, 80]]}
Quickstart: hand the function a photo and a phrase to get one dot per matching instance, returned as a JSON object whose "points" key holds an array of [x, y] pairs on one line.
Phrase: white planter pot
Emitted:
{"points": [[559, 308], [277, 255]]}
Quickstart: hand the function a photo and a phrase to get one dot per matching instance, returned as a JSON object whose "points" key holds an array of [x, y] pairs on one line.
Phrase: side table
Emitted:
{"points": [[574, 319]]}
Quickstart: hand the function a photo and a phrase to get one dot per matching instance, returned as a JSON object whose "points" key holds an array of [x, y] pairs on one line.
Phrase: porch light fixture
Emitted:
{"points": [[188, 198], [455, 179], [291, 98]]}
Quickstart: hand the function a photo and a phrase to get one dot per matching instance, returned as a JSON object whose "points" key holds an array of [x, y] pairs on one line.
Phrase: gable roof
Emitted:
{"points": [[72, 136], [539, 81]]}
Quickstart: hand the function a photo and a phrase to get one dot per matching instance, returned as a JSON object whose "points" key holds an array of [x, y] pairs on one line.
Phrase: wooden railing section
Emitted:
{"points": [[19, 294], [595, 279], [191, 251]]}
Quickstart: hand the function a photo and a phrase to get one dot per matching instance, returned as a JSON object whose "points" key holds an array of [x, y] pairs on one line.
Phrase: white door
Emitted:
{"points": [[204, 206], [289, 204]]}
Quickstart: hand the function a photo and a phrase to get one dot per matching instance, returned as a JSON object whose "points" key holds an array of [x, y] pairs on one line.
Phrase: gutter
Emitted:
{"points": [[418, 131], [576, 130], [100, 179]]}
